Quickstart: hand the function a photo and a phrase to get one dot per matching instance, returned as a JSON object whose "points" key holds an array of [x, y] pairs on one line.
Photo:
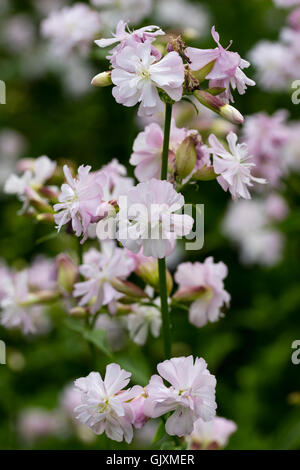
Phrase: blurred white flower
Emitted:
{"points": [[144, 318], [112, 11], [182, 14]]}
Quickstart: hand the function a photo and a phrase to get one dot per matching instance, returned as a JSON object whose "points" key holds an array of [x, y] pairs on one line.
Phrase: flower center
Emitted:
{"points": [[144, 73], [103, 406]]}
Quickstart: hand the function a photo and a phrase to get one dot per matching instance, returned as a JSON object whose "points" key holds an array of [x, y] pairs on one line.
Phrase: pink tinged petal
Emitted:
{"points": [[181, 422], [201, 57], [115, 378]]}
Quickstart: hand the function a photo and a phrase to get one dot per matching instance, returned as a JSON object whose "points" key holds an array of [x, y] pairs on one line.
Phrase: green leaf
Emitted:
{"points": [[74, 325], [160, 432], [99, 339], [46, 238], [202, 73]]}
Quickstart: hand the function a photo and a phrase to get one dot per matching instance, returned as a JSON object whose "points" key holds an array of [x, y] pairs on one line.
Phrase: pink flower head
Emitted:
{"points": [[41, 169], [148, 219], [99, 268], [105, 405], [79, 200], [137, 406], [117, 181], [209, 276], [125, 37], [265, 137], [42, 274], [190, 396], [37, 423], [138, 74], [233, 166], [147, 150], [227, 71], [213, 434]]}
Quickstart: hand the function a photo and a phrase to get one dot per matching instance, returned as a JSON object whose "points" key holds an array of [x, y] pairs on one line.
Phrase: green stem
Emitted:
{"points": [[166, 323]]}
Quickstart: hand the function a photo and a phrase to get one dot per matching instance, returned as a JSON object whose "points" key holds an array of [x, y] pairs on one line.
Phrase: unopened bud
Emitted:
{"points": [[206, 173], [80, 312], [218, 106], [45, 217], [231, 114], [102, 79], [128, 288], [36, 201], [189, 294], [67, 272], [49, 192], [186, 157], [148, 272]]}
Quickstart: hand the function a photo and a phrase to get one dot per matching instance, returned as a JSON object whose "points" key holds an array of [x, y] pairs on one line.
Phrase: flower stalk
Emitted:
{"points": [[166, 323]]}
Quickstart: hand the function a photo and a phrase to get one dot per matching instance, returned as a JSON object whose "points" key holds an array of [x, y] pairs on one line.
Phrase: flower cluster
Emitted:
{"points": [[106, 406]]}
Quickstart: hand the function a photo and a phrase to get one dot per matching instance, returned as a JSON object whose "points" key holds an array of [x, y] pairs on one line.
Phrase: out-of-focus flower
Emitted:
{"points": [[142, 319], [105, 404], [183, 14], [149, 221], [133, 11], [286, 3], [80, 200], [42, 170], [12, 145], [290, 152], [115, 330], [18, 33], [15, 310], [37, 423], [233, 166], [137, 406], [74, 26], [99, 269], [138, 74], [117, 181], [190, 396], [274, 62], [147, 150], [249, 224], [265, 137], [227, 70], [42, 274], [294, 19], [204, 281], [210, 435]]}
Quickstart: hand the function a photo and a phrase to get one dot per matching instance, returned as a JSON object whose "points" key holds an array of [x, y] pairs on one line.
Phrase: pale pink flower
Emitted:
{"points": [[105, 404], [117, 181], [74, 26], [42, 168], [209, 276], [233, 166], [290, 153], [148, 220], [99, 269], [138, 75], [37, 423], [274, 63], [42, 274], [137, 405], [190, 396], [213, 434], [249, 224], [144, 318], [227, 71], [183, 15], [265, 137], [276, 207], [286, 3], [294, 19], [79, 200], [147, 150], [123, 34], [133, 11], [14, 311]]}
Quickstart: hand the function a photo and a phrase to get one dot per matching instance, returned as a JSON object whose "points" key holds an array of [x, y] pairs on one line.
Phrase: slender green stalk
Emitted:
{"points": [[162, 262]]}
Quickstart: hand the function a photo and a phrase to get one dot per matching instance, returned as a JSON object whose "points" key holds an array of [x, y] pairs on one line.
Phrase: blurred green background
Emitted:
{"points": [[250, 350]]}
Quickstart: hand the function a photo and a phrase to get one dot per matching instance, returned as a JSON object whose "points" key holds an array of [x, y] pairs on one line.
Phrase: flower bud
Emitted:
{"points": [[231, 114], [186, 157], [79, 312], [36, 201], [128, 288], [103, 79], [218, 106], [206, 173], [189, 294], [67, 272], [148, 271], [45, 217]]}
